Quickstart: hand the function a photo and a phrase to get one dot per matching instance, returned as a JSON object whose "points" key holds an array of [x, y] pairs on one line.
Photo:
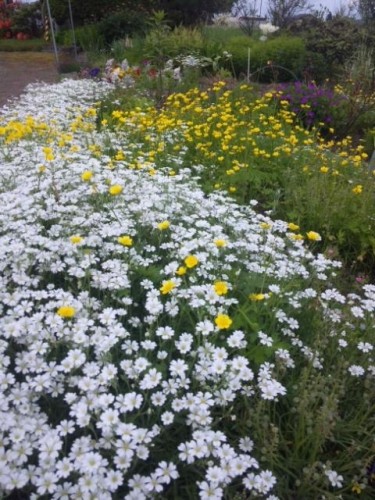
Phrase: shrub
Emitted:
{"points": [[336, 40], [281, 58], [314, 105], [87, 38], [163, 43], [120, 24], [25, 19]]}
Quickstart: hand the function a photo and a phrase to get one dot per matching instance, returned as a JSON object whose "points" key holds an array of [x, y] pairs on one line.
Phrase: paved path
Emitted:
{"points": [[17, 69]]}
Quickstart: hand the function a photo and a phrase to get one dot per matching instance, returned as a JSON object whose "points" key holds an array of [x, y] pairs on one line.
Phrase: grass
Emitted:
{"points": [[33, 45]]}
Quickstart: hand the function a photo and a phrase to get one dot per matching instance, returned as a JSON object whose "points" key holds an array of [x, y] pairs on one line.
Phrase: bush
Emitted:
{"points": [[314, 105], [117, 26], [88, 38], [185, 41], [163, 43], [25, 19], [278, 59], [336, 41]]}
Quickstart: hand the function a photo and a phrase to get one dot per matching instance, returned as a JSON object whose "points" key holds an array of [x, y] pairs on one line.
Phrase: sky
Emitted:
{"points": [[332, 5]]}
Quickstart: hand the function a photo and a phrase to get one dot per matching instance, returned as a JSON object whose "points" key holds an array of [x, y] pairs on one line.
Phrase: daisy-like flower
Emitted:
{"points": [[87, 175], [191, 261], [357, 189], [115, 190], [76, 239], [313, 236], [292, 226], [257, 297], [165, 224], [223, 321], [181, 271], [334, 478], [125, 240], [167, 287], [221, 288], [66, 312], [220, 243]]}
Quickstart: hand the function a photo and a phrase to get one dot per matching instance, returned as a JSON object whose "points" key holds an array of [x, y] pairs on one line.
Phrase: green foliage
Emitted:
{"points": [[94, 10], [276, 59], [128, 48], [184, 41], [87, 38], [178, 11], [281, 11], [121, 24], [193, 11], [367, 11], [336, 40], [220, 34], [27, 19], [357, 84]]}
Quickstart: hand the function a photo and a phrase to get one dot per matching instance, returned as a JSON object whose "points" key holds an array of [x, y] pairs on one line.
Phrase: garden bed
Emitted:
{"points": [[159, 340]]}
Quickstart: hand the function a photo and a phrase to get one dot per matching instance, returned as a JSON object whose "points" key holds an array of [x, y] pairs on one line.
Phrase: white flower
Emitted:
{"points": [[334, 478], [356, 370]]}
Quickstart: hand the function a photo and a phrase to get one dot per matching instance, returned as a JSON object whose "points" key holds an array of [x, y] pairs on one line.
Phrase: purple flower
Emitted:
{"points": [[94, 72]]}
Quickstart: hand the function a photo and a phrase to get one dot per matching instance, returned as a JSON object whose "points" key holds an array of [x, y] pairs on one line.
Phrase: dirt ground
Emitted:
{"points": [[18, 69]]}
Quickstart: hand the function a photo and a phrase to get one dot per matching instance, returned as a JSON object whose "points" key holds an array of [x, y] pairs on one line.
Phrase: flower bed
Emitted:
{"points": [[153, 336]]}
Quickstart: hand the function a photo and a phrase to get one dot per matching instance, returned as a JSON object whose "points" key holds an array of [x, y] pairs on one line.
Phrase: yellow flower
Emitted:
{"points": [[76, 239], [167, 287], [48, 154], [164, 225], [191, 261], [221, 288], [297, 237], [220, 243], [324, 170], [125, 240], [265, 225], [181, 271], [357, 189], [356, 488], [42, 169], [292, 226], [223, 321], [66, 312], [87, 175], [115, 190], [257, 297], [313, 236]]}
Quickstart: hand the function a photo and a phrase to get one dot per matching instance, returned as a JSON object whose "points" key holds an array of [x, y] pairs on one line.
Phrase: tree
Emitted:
{"points": [[94, 10], [249, 12], [366, 9], [177, 11], [282, 11], [193, 11]]}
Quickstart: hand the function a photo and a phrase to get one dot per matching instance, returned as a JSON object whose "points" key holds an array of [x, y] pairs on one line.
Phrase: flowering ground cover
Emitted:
{"points": [[255, 147], [159, 340]]}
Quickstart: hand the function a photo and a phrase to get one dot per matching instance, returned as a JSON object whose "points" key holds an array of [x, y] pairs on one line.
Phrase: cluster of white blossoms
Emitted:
{"points": [[124, 352]]}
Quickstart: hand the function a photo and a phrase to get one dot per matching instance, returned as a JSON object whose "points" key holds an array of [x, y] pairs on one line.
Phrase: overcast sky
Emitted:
{"points": [[332, 5]]}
